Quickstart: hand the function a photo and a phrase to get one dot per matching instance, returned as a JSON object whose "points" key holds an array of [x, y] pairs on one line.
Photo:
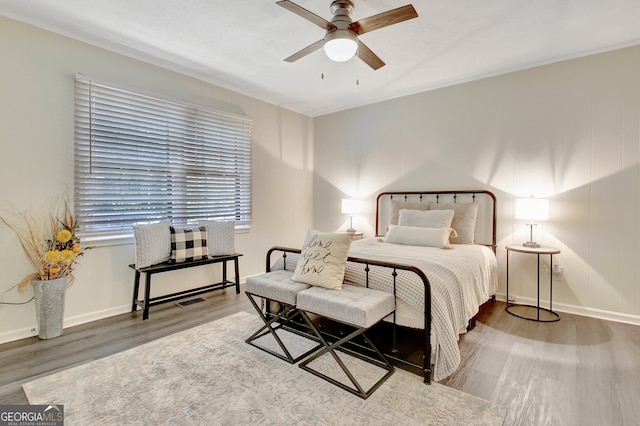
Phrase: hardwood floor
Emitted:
{"points": [[579, 371]]}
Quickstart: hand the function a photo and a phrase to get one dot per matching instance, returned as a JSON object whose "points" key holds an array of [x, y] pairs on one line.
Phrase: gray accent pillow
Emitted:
{"points": [[151, 243], [464, 220]]}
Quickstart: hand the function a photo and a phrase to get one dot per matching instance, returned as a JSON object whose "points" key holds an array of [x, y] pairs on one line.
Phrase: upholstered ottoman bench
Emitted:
{"points": [[359, 307], [276, 286]]}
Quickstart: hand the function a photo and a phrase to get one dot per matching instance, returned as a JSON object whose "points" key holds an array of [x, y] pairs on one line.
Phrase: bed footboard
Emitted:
{"points": [[393, 269]]}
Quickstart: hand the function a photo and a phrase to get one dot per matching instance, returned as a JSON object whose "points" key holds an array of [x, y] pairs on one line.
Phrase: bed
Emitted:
{"points": [[438, 291]]}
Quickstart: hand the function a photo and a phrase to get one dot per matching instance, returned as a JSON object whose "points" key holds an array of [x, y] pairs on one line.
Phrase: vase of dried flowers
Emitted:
{"points": [[49, 296], [52, 248]]}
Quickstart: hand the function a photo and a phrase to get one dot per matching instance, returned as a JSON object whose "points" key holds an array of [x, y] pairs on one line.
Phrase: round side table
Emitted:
{"points": [[537, 251]]}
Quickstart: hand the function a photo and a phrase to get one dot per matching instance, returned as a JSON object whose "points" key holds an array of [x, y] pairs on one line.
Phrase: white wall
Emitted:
{"points": [[36, 133], [567, 131]]}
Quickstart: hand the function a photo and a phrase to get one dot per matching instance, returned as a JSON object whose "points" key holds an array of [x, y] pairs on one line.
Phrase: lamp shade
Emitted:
{"points": [[340, 45], [532, 208], [350, 206]]}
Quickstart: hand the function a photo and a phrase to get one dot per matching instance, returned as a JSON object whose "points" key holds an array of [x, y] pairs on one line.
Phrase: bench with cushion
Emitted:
{"points": [[316, 287], [358, 307]]}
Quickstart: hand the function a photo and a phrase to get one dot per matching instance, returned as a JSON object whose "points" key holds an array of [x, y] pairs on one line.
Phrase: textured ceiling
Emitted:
{"points": [[241, 44]]}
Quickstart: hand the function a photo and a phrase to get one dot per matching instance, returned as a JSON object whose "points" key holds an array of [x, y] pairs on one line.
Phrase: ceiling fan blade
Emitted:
{"points": [[384, 19], [368, 57], [304, 52], [304, 13]]}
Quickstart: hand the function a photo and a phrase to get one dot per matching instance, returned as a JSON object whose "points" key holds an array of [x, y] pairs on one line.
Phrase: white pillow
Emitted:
{"points": [[426, 219], [323, 259], [152, 243], [220, 237], [464, 220], [417, 236], [397, 205]]}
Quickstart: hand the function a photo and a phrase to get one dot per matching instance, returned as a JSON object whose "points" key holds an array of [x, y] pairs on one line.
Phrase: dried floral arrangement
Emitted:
{"points": [[49, 241]]}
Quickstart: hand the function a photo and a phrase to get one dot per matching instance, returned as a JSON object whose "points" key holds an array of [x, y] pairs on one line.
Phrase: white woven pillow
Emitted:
{"points": [[417, 236], [426, 219], [151, 243], [397, 205], [220, 237], [323, 259]]}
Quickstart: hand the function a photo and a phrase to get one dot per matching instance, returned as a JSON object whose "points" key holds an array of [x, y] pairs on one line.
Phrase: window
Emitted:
{"points": [[141, 159]]}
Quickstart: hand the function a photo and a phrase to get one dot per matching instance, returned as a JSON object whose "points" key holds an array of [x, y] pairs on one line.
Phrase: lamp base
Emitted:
{"points": [[531, 244], [351, 230]]}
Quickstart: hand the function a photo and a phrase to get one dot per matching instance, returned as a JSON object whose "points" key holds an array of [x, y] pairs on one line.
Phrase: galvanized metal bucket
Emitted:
{"points": [[49, 296]]}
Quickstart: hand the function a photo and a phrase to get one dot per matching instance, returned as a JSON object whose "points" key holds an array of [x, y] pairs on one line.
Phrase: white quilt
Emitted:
{"points": [[461, 278]]}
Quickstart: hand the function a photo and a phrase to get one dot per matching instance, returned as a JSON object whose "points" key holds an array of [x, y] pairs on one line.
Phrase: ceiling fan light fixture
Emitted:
{"points": [[340, 41], [340, 45]]}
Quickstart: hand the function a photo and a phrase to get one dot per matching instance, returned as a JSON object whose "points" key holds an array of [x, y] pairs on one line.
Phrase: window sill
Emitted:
{"points": [[118, 239]]}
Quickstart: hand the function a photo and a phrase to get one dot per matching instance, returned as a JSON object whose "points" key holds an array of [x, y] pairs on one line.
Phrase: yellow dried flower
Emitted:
{"points": [[53, 256], [63, 236], [47, 240], [67, 256]]}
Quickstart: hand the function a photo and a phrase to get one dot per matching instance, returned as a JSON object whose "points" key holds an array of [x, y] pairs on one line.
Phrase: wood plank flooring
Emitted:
{"points": [[579, 371]]}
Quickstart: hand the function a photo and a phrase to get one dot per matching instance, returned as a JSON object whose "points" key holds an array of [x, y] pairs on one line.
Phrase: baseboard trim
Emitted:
{"points": [[97, 315], [32, 331], [578, 310], [23, 333], [12, 335]]}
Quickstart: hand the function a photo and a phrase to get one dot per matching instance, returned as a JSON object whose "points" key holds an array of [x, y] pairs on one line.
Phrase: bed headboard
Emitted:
{"points": [[485, 231]]}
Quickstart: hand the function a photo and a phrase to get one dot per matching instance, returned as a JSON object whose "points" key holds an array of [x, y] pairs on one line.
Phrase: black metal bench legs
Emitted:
{"points": [[277, 286], [271, 325], [357, 388], [357, 307]]}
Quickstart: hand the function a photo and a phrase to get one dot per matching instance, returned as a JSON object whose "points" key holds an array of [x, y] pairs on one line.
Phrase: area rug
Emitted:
{"points": [[208, 375]]}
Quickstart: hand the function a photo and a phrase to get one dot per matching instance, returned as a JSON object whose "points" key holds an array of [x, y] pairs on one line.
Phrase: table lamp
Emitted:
{"points": [[532, 209], [350, 207]]}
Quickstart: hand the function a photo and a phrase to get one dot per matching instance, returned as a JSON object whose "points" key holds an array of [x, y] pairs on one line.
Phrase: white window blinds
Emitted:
{"points": [[140, 159]]}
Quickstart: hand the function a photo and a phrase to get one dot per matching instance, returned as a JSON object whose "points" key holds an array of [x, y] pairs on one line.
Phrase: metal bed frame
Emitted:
{"points": [[453, 195], [393, 268], [392, 355]]}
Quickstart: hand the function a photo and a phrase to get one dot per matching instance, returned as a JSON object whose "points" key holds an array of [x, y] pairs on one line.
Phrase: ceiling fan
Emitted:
{"points": [[341, 41]]}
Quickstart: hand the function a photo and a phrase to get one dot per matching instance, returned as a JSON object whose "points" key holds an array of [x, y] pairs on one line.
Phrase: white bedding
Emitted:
{"points": [[461, 278]]}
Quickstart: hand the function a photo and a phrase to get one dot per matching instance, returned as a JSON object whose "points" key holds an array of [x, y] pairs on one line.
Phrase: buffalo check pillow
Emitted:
{"points": [[188, 244]]}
